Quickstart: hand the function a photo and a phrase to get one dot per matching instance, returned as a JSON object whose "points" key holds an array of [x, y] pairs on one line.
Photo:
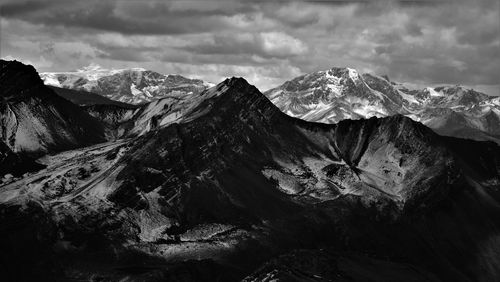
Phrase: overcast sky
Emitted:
{"points": [[421, 42]]}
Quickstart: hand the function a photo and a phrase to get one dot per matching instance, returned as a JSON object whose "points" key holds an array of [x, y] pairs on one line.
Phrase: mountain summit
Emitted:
{"points": [[342, 93]]}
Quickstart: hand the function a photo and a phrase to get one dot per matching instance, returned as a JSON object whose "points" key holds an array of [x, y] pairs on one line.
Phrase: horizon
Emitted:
{"points": [[406, 84], [412, 42]]}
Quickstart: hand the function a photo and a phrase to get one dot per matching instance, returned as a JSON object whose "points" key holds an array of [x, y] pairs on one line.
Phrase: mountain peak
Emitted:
{"points": [[237, 84], [19, 67], [342, 93], [15, 75], [35, 120], [343, 72], [233, 86], [235, 81]]}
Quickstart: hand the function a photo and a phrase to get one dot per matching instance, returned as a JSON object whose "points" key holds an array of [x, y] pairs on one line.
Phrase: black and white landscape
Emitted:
{"points": [[120, 172]]}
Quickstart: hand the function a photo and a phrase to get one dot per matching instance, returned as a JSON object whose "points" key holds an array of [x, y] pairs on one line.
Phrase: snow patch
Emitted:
{"points": [[335, 89], [208, 84], [433, 92], [134, 90], [408, 98], [353, 74], [368, 111], [51, 79]]}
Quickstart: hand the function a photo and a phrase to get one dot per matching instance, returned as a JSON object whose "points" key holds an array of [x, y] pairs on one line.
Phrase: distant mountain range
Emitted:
{"points": [[155, 100], [133, 86], [221, 185], [325, 96], [343, 93]]}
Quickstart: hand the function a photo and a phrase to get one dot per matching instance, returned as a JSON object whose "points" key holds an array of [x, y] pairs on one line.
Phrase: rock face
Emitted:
{"points": [[342, 93], [235, 182], [133, 86], [35, 121]]}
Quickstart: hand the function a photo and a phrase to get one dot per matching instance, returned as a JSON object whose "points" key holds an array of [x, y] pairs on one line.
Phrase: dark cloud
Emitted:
{"points": [[481, 32], [19, 8], [449, 41], [129, 17], [414, 29], [295, 14]]}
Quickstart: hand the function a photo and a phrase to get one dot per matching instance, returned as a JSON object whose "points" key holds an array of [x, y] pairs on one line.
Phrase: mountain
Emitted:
{"points": [[342, 93], [235, 183], [129, 121], [35, 121], [133, 86]]}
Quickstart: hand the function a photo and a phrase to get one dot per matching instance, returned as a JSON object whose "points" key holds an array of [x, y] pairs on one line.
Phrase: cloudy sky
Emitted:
{"points": [[267, 42]]}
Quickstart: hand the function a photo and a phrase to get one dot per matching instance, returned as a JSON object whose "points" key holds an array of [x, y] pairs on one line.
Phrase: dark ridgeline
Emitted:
{"points": [[236, 184], [84, 98]]}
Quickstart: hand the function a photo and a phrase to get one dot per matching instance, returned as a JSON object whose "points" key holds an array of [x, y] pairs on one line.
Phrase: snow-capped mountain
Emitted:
{"points": [[133, 86], [236, 183], [332, 95], [342, 93]]}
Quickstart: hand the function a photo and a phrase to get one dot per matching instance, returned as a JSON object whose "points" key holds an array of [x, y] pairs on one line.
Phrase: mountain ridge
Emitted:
{"points": [[230, 182], [339, 93], [237, 176], [132, 85]]}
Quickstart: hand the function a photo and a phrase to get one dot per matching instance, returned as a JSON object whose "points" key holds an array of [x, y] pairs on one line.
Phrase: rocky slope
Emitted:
{"points": [[125, 121], [342, 93], [35, 121], [236, 182], [133, 86]]}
